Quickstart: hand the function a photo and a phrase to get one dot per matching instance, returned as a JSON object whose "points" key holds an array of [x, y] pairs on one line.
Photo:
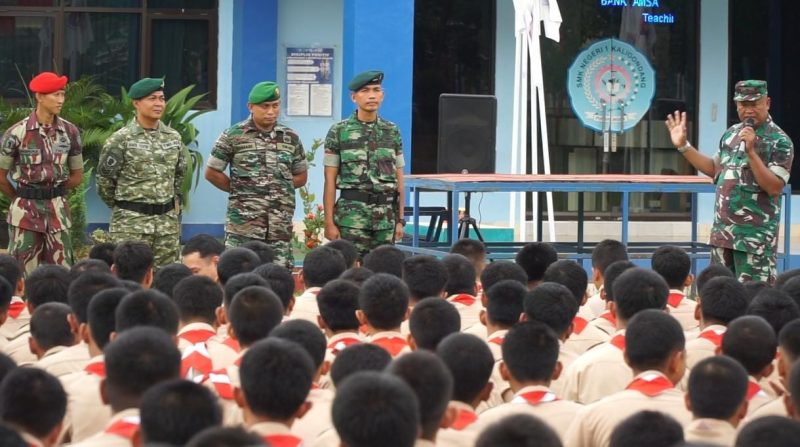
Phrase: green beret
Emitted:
{"points": [[145, 86], [365, 78], [264, 91], [751, 90]]}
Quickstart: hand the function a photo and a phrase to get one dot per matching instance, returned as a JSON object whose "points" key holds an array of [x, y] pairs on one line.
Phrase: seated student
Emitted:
{"points": [[430, 322], [605, 253], [232, 286], [788, 354], [136, 360], [530, 362], [519, 430], [167, 276], [504, 305], [374, 409], [475, 251], [360, 357], [535, 258], [721, 301], [51, 334], [425, 277], [320, 265], [383, 305], [201, 254], [711, 272], [716, 398], [6, 294], [460, 289], [33, 402], [347, 250], [655, 351], [647, 428], [197, 298], [173, 412], [103, 252], [674, 265], [17, 316], [606, 320], [236, 260], [147, 308], [88, 265], [751, 341], [338, 303], [775, 306], [265, 253], [385, 259], [769, 431], [271, 399], [357, 275], [280, 280], [494, 273], [785, 276], [753, 288], [226, 437], [133, 260], [470, 363], [603, 371]]}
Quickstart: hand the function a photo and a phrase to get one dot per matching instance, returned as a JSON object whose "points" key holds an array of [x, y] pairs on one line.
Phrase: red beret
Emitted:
{"points": [[47, 82]]}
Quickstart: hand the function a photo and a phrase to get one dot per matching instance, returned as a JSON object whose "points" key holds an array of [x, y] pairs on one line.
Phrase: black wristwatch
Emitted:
{"points": [[402, 222]]}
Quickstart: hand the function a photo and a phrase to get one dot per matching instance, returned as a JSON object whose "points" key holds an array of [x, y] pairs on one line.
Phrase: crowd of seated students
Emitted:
{"points": [[395, 350]]}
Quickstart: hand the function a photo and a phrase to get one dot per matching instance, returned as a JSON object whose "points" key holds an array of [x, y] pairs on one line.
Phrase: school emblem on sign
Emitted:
{"points": [[610, 85]]}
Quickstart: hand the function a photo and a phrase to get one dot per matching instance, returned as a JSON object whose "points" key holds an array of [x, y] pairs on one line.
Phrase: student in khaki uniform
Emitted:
{"points": [[778, 308], [338, 303], [647, 428], [227, 348], [51, 334], [201, 254], [535, 258], [425, 277], [605, 253], [383, 305], [751, 341], [281, 281], [674, 265], [494, 273], [788, 354], [460, 289], [475, 251], [33, 402], [17, 315], [716, 398], [655, 351], [606, 321], [320, 265], [173, 412], [430, 322], [519, 429]]}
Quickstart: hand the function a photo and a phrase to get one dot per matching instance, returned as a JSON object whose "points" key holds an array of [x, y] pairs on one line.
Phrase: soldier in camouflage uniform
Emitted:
{"points": [[44, 151], [139, 176], [364, 159], [267, 162], [750, 171]]}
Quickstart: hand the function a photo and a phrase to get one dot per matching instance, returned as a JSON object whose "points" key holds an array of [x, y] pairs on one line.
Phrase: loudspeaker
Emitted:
{"points": [[467, 133]]}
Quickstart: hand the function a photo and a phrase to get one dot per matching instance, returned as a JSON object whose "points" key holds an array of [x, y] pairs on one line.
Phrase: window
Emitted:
{"points": [[115, 41]]}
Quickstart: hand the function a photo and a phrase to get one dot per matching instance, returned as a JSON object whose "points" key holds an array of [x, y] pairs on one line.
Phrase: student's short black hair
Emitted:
{"points": [[138, 359], [384, 300], [374, 409], [673, 264], [751, 341], [84, 287], [103, 251], [7, 364], [337, 303], [47, 283], [792, 288], [279, 279], [147, 308], [226, 437], [33, 400], [637, 289], [431, 320], [10, 438], [167, 276], [611, 274], [532, 352], [769, 431], [429, 378], [785, 276], [87, 265], [241, 281], [358, 357], [500, 270], [470, 362], [203, 244], [504, 302], [357, 274], [10, 269], [793, 383], [269, 389], [197, 297], [551, 304], [535, 258], [717, 387], [710, 272], [647, 428], [789, 341], [473, 249], [775, 306], [6, 294], [321, 265], [132, 260], [236, 260], [262, 249], [305, 334], [460, 275], [722, 299], [569, 274], [606, 252], [385, 259], [651, 337], [753, 288], [425, 276], [519, 430], [101, 314], [254, 312], [132, 286], [173, 412], [50, 327], [347, 250]]}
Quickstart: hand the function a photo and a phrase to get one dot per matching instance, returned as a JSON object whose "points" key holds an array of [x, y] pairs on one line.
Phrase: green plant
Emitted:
{"points": [[313, 213]]}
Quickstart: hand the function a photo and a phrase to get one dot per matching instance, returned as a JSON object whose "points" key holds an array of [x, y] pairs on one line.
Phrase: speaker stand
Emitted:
{"points": [[466, 222]]}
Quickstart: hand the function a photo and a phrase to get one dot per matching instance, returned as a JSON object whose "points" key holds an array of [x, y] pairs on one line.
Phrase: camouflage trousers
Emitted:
{"points": [[366, 240], [746, 266], [283, 249], [32, 248], [166, 247]]}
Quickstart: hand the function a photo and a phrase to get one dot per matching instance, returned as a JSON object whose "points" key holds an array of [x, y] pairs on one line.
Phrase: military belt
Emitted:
{"points": [[30, 192], [367, 197], [146, 208]]}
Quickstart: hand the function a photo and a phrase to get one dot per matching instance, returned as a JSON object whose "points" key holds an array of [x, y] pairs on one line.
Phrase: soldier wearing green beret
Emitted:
{"points": [[750, 170], [139, 175], [364, 160], [267, 162]]}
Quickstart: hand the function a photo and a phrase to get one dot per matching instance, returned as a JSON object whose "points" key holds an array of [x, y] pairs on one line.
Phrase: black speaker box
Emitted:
{"points": [[467, 134]]}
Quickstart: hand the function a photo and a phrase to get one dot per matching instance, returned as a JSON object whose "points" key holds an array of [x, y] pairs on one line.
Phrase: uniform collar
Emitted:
{"points": [[33, 123], [137, 129], [249, 126], [354, 119]]}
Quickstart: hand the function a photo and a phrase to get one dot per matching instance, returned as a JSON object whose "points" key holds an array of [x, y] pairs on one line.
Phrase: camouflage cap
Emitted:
{"points": [[145, 86], [264, 91], [750, 90], [365, 78]]}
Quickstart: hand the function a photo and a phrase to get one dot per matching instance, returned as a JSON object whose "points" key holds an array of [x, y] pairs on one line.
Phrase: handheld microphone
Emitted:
{"points": [[748, 122]]}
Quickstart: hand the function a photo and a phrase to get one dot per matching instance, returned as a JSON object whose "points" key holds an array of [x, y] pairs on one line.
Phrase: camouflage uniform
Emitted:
{"points": [[367, 156], [41, 157], [746, 218], [145, 168], [262, 199]]}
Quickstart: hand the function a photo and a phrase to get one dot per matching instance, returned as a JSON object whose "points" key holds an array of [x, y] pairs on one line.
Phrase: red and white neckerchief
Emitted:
{"points": [[232, 343], [195, 361], [96, 368], [713, 335], [197, 335], [498, 340], [124, 428], [391, 343], [754, 389], [608, 316], [674, 299], [463, 298], [578, 325], [16, 308], [618, 341], [283, 440], [339, 345], [650, 385], [222, 383], [464, 418], [534, 397]]}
